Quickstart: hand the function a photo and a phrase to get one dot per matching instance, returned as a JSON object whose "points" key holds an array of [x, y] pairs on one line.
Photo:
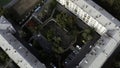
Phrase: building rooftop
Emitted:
{"points": [[104, 23], [5, 25], [100, 52], [15, 50], [98, 13]]}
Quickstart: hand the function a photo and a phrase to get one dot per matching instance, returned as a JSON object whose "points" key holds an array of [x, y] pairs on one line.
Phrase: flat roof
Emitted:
{"points": [[16, 50], [102, 50], [108, 42], [4, 24], [98, 13]]}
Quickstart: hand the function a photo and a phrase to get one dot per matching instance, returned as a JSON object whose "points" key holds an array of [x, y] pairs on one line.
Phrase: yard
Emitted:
{"points": [[57, 36], [31, 28], [64, 35], [68, 23], [49, 58], [47, 10]]}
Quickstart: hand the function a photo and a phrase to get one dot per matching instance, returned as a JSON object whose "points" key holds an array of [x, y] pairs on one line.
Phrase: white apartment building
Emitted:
{"points": [[14, 48], [104, 23]]}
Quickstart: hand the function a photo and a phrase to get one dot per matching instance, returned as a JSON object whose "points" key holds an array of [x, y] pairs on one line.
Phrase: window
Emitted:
{"points": [[88, 17], [67, 3], [75, 10]]}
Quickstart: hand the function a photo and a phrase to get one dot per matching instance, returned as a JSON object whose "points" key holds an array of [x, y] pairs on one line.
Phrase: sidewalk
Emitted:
{"points": [[10, 4]]}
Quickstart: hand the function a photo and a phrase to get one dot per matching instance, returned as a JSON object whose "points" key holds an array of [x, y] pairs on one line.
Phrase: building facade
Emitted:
{"points": [[15, 49], [104, 23], [80, 12]]}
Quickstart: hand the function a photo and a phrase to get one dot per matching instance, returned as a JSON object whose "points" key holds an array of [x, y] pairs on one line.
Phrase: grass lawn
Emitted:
{"points": [[4, 2], [56, 35]]}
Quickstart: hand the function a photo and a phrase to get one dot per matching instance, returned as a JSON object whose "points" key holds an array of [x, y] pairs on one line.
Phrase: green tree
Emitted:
{"points": [[53, 4], [57, 39], [3, 11], [87, 35], [50, 35], [56, 48], [65, 20], [22, 34], [3, 57], [110, 2], [116, 6]]}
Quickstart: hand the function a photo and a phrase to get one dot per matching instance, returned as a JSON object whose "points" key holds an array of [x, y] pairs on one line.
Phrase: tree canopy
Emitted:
{"points": [[1, 11], [112, 6]]}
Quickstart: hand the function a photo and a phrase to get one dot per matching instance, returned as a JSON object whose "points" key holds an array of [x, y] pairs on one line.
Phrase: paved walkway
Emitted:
{"points": [[6, 66], [10, 4]]}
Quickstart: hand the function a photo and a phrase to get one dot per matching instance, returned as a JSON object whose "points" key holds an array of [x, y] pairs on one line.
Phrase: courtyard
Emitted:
{"points": [[60, 38]]}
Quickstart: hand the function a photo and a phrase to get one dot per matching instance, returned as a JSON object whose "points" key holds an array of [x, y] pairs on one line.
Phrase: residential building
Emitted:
{"points": [[14, 48], [104, 23]]}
